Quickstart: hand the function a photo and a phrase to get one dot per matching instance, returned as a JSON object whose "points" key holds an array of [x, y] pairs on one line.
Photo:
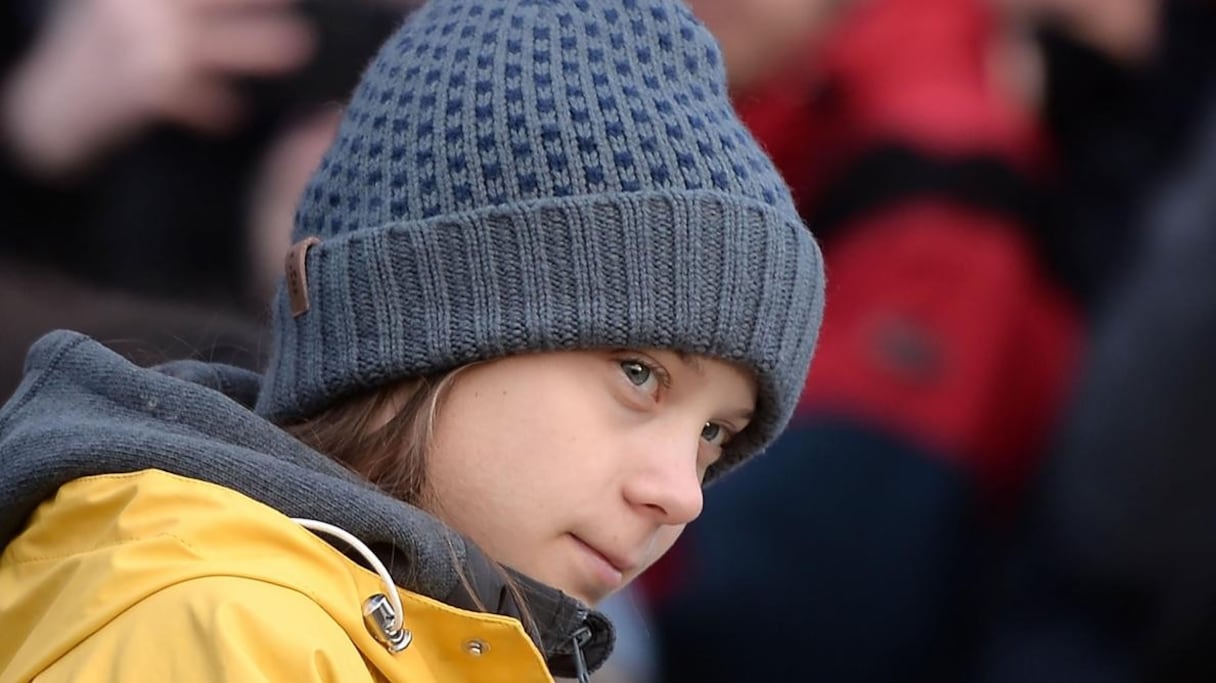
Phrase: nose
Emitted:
{"points": [[665, 482]]}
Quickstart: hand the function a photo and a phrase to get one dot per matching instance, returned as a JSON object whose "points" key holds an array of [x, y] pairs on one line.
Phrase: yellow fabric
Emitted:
{"points": [[153, 577]]}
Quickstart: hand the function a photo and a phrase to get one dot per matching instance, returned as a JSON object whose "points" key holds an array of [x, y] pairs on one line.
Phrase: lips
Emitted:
{"points": [[622, 564], [618, 565]]}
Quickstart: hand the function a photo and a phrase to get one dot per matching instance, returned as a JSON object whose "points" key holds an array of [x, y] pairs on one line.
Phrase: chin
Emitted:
{"points": [[586, 595], [582, 595]]}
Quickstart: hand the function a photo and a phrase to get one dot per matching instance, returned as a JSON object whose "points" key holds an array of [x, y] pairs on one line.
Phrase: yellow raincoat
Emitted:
{"points": [[150, 576]]}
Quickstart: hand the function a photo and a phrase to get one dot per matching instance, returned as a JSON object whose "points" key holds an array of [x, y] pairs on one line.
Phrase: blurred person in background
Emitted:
{"points": [[152, 153], [1121, 90], [860, 546], [1114, 575]]}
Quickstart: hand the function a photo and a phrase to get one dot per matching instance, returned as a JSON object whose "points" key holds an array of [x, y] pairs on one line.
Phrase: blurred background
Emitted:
{"points": [[1003, 467]]}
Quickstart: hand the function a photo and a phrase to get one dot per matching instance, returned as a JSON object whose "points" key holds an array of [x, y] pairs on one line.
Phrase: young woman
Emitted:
{"points": [[546, 287]]}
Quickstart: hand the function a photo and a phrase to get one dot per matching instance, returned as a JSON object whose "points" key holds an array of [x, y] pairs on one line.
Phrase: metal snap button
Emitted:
{"points": [[476, 647]]}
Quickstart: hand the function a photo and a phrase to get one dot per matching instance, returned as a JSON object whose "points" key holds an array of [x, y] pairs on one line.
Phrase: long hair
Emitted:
{"points": [[385, 434]]}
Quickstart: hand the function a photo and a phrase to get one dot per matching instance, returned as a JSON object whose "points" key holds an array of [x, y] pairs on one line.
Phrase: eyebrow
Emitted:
{"points": [[745, 414], [692, 361]]}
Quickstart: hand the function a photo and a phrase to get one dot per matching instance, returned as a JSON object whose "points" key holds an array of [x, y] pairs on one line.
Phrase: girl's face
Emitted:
{"points": [[580, 469]]}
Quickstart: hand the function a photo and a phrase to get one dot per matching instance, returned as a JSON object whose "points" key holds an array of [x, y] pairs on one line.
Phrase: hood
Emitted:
{"points": [[83, 410]]}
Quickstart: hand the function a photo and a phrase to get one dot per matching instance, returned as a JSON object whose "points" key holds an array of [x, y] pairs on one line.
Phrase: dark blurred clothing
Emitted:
{"points": [[1122, 542], [148, 331], [165, 218], [1116, 129], [842, 554]]}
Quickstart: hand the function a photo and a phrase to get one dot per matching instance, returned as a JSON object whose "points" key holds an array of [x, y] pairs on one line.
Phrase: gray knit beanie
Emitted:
{"points": [[528, 175]]}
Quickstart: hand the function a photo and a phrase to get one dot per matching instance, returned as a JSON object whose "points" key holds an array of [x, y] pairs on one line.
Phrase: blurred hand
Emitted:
{"points": [[101, 70], [1126, 30], [758, 36]]}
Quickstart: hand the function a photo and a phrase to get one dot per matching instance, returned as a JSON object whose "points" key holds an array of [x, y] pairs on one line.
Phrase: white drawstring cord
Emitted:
{"points": [[390, 588]]}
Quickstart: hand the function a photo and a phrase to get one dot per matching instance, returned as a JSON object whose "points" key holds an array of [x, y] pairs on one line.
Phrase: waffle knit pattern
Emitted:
{"points": [[516, 176]]}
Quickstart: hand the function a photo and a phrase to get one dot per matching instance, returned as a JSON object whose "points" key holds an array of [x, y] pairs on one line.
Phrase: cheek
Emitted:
{"points": [[506, 448], [513, 430], [478, 474], [484, 448]]}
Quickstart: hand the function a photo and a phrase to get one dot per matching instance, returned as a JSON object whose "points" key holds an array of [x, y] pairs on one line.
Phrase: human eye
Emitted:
{"points": [[716, 434], [647, 377]]}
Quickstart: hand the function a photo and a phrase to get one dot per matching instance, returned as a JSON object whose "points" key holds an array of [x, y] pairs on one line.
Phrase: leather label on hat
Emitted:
{"points": [[297, 275]]}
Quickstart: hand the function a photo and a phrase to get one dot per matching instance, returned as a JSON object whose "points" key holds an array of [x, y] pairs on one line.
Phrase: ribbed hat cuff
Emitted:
{"points": [[701, 272]]}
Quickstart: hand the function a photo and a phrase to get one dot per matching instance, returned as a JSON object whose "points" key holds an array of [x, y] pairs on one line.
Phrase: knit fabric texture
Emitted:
{"points": [[526, 175]]}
